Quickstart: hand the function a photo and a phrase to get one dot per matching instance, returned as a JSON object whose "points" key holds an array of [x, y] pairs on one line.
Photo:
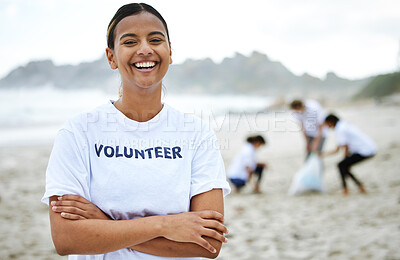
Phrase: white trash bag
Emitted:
{"points": [[309, 177]]}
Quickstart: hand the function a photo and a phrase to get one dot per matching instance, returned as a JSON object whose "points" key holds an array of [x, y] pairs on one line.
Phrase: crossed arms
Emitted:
{"points": [[79, 227]]}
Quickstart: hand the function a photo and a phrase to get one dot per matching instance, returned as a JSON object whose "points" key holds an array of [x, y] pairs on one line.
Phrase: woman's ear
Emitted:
{"points": [[170, 56], [110, 58]]}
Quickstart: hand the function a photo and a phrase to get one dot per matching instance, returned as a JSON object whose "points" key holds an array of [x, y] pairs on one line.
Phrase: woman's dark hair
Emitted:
{"points": [[296, 104], [128, 10], [256, 139], [331, 118]]}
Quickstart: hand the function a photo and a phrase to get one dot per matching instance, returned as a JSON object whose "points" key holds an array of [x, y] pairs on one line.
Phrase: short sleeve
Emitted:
{"points": [[249, 159], [297, 115], [208, 170], [66, 171], [341, 137]]}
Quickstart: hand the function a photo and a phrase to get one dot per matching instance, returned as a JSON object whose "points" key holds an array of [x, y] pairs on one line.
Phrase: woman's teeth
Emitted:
{"points": [[145, 65]]}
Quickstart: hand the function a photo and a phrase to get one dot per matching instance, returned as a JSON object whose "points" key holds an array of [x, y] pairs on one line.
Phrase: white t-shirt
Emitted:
{"points": [[245, 158], [357, 141], [313, 116], [135, 169]]}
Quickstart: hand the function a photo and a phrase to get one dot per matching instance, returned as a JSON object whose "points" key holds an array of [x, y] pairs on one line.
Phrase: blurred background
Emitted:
{"points": [[229, 58]]}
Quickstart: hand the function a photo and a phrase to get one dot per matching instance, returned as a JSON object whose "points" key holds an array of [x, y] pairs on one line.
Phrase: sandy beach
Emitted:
{"points": [[271, 225]]}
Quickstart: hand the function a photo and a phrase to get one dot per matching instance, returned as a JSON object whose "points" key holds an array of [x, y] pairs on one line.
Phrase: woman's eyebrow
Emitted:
{"points": [[156, 33], [127, 35]]}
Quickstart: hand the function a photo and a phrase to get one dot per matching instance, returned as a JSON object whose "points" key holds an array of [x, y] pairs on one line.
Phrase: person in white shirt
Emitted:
{"points": [[135, 178], [311, 116], [357, 145], [244, 164]]}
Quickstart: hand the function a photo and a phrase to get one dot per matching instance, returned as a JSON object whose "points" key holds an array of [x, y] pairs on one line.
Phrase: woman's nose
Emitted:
{"points": [[145, 49]]}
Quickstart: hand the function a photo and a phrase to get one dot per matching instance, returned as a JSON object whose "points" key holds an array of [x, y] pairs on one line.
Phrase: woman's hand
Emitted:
{"points": [[75, 207], [193, 226]]}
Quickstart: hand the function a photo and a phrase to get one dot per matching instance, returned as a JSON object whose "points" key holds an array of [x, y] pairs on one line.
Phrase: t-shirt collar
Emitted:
{"points": [[133, 123]]}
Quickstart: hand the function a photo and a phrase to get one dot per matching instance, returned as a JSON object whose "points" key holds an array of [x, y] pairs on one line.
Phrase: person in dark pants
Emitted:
{"points": [[258, 173], [358, 147], [311, 115], [245, 164]]}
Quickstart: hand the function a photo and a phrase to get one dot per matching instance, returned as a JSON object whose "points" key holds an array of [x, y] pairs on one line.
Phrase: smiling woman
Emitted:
{"points": [[140, 48], [118, 201]]}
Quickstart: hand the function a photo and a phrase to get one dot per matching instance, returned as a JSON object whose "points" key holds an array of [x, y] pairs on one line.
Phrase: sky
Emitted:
{"points": [[353, 38]]}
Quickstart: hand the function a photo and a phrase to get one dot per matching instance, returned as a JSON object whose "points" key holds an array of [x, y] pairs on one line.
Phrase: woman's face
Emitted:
{"points": [[257, 145], [300, 109], [329, 124], [141, 53]]}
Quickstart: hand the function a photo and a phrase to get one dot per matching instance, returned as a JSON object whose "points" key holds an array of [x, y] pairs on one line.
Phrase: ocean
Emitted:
{"points": [[33, 116]]}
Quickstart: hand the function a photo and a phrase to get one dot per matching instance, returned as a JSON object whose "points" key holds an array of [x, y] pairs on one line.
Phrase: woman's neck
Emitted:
{"points": [[140, 105]]}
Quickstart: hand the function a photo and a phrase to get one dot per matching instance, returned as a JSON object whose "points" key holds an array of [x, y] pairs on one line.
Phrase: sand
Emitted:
{"points": [[271, 225]]}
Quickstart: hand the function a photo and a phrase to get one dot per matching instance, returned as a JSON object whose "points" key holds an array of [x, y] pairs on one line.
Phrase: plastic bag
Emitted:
{"points": [[309, 177]]}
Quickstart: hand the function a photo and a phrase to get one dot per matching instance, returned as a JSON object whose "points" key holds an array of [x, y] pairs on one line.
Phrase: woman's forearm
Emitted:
{"points": [[332, 152], [211, 200], [94, 236], [164, 247], [90, 233]]}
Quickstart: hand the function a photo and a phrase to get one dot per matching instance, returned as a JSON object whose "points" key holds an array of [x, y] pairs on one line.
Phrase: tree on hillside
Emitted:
{"points": [[381, 86]]}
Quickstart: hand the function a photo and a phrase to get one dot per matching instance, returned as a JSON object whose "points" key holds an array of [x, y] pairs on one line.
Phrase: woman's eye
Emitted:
{"points": [[156, 40], [129, 42]]}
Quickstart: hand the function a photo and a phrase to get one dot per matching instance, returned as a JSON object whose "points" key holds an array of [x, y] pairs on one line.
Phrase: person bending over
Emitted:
{"points": [[311, 116], [357, 146], [245, 165]]}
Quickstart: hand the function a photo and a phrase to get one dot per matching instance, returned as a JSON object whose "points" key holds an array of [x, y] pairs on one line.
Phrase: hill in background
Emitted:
{"points": [[252, 75], [381, 86]]}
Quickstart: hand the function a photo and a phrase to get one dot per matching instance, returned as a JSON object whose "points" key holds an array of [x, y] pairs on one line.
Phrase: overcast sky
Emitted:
{"points": [[353, 38]]}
